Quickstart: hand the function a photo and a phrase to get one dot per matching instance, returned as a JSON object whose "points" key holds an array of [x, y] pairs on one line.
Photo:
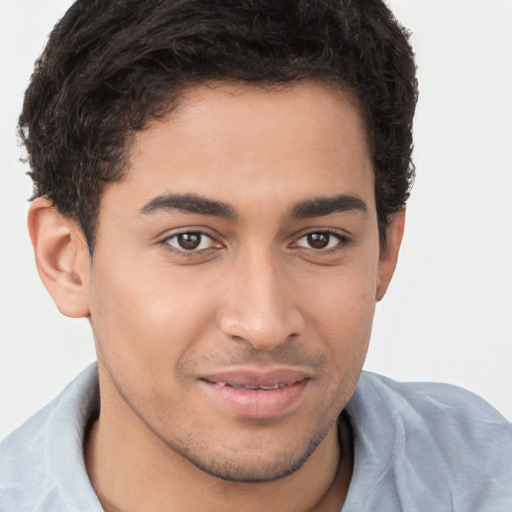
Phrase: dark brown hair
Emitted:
{"points": [[110, 65]]}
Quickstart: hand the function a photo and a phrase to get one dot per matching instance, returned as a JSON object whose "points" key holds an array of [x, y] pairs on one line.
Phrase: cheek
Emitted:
{"points": [[342, 313], [145, 321], [345, 325]]}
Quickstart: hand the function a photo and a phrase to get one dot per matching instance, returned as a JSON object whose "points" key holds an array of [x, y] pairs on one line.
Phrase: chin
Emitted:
{"points": [[242, 470], [252, 464]]}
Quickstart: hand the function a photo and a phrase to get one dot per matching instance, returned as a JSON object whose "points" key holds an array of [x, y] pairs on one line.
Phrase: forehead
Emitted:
{"points": [[240, 142]]}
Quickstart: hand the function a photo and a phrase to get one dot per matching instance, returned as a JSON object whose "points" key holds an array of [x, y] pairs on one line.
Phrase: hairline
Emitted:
{"points": [[178, 100]]}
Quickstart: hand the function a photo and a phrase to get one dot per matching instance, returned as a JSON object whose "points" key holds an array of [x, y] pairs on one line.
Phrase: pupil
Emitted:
{"points": [[318, 240], [189, 241]]}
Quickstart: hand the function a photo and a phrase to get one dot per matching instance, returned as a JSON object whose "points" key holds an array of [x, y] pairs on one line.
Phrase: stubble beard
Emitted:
{"points": [[232, 464], [240, 470]]}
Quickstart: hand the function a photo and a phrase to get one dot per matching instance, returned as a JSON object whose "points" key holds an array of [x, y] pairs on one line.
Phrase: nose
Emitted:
{"points": [[259, 305]]}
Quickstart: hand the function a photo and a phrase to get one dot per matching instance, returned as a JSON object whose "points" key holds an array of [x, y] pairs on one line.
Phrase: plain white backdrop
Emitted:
{"points": [[448, 314]]}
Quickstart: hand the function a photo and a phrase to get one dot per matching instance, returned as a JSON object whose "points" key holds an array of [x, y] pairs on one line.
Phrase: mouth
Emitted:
{"points": [[253, 394], [251, 388]]}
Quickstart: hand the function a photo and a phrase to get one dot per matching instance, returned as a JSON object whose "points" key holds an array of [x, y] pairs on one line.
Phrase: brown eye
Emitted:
{"points": [[190, 241], [320, 240]]}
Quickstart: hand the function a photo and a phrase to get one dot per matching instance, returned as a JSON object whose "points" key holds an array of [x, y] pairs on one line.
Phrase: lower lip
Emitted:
{"points": [[257, 403]]}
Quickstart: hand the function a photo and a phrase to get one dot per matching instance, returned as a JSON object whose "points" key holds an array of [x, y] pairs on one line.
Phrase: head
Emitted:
{"points": [[224, 186], [111, 67]]}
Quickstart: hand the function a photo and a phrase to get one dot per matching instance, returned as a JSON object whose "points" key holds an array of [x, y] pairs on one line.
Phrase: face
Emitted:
{"points": [[235, 275]]}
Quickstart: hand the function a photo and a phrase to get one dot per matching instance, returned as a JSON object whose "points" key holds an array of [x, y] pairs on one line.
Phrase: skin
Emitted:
{"points": [[259, 293]]}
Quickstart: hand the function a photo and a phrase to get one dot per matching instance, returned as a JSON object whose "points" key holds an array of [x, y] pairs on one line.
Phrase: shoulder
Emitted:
{"points": [[436, 406], [23, 465], [428, 397], [435, 441], [42, 465]]}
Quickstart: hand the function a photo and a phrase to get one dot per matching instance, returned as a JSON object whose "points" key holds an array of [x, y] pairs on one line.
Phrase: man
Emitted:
{"points": [[220, 189]]}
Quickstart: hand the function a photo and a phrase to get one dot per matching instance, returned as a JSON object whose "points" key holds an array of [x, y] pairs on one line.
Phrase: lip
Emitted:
{"points": [[256, 394]]}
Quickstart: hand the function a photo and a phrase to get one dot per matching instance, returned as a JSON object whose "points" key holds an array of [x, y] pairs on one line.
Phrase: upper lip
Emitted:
{"points": [[251, 378]]}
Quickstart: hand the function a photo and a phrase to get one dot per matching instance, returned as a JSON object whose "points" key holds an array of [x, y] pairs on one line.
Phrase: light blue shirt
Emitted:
{"points": [[417, 447]]}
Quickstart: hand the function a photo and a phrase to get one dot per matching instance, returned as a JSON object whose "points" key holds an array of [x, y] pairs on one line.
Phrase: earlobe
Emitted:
{"points": [[389, 255], [62, 257]]}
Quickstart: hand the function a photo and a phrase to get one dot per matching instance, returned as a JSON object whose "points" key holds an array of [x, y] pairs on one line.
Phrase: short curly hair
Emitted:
{"points": [[111, 65]]}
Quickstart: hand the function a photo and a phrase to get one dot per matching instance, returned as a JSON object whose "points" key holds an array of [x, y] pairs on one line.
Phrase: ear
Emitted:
{"points": [[62, 257], [389, 255]]}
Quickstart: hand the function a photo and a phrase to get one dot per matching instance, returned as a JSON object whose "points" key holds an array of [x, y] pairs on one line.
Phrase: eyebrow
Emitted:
{"points": [[189, 203], [321, 206]]}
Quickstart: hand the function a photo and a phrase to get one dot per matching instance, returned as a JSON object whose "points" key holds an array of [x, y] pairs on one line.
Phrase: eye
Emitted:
{"points": [[192, 241], [320, 240]]}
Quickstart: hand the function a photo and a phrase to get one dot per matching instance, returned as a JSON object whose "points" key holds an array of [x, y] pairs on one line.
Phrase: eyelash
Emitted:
{"points": [[166, 242], [342, 241]]}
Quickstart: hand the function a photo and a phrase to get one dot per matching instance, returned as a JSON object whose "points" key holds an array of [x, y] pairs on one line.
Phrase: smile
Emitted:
{"points": [[251, 388], [256, 395]]}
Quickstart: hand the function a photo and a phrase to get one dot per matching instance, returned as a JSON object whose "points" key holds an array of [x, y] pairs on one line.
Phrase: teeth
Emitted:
{"points": [[252, 388]]}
